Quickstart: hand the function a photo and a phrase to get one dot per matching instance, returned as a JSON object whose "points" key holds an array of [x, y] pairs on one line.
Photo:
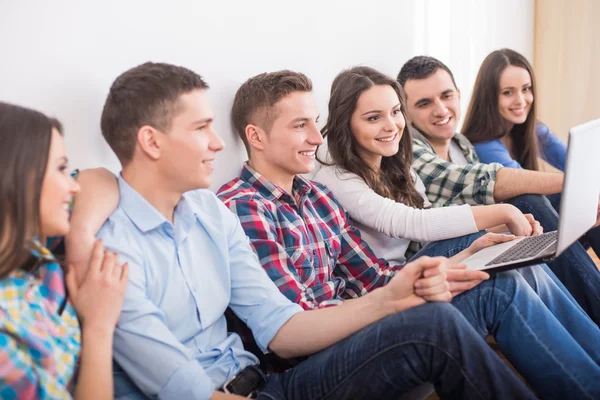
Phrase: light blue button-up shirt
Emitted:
{"points": [[172, 340]]}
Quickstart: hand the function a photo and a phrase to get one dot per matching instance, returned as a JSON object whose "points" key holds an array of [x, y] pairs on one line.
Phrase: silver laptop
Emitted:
{"points": [[578, 209]]}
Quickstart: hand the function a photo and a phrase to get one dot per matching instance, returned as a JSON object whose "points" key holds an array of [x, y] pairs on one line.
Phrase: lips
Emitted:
{"points": [[386, 139], [310, 154], [443, 121]]}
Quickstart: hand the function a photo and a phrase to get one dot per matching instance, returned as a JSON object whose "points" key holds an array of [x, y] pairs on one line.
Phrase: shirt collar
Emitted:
{"points": [[141, 213], [417, 134], [270, 190]]}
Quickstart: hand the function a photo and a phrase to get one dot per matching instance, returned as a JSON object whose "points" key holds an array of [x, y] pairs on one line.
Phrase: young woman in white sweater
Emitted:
{"points": [[370, 175]]}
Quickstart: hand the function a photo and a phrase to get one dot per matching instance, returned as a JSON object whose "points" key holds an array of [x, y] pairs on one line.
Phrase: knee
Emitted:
{"points": [[510, 283]]}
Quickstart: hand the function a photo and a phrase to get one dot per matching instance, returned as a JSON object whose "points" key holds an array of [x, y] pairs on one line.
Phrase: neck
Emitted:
{"points": [[155, 193], [278, 177], [441, 148]]}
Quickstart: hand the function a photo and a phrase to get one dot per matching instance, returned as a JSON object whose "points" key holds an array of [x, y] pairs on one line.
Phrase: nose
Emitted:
{"points": [[74, 187], [440, 109], [390, 124], [216, 143], [520, 99], [315, 137]]}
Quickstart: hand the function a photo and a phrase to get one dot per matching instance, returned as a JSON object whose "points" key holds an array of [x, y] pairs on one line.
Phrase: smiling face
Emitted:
{"points": [[434, 105], [515, 94], [377, 124], [58, 189], [190, 146], [290, 146]]}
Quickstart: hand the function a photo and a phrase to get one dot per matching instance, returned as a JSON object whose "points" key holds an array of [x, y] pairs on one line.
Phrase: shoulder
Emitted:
{"points": [[495, 144], [237, 189], [333, 175]]}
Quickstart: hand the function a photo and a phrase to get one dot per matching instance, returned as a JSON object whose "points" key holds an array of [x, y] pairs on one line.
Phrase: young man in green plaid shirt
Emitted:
{"points": [[448, 165]]}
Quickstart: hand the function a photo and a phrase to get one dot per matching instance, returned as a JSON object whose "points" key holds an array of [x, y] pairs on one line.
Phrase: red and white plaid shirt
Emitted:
{"points": [[306, 244]]}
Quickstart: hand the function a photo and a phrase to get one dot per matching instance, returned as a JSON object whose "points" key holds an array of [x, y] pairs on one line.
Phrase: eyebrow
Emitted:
{"points": [[378, 111], [424, 99], [202, 121], [512, 87], [63, 159], [302, 119]]}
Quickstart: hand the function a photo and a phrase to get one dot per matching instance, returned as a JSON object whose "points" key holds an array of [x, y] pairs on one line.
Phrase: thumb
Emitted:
{"points": [[423, 263], [71, 280]]}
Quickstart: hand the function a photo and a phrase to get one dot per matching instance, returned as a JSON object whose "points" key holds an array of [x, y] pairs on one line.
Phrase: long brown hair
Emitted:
{"points": [[484, 122], [25, 135], [393, 179]]}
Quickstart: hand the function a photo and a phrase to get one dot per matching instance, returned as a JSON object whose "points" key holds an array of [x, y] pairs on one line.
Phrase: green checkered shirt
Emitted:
{"points": [[447, 183]]}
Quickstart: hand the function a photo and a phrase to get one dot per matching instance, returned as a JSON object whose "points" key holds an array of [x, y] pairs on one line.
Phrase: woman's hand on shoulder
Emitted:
{"points": [[98, 296]]}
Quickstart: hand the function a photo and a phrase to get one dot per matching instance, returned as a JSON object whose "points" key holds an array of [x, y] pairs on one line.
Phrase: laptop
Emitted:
{"points": [[578, 209]]}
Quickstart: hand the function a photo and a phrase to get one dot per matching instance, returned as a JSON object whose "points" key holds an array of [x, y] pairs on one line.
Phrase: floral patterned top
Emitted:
{"points": [[39, 347]]}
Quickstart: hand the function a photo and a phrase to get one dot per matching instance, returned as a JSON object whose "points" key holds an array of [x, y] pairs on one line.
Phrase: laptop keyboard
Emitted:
{"points": [[526, 248]]}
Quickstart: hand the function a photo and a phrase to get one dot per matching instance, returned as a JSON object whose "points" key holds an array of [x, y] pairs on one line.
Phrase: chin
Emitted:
{"points": [[59, 229]]}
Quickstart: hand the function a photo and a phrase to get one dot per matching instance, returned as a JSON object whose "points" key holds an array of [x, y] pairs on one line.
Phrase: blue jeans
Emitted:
{"points": [[546, 328], [573, 267], [429, 343], [592, 237]]}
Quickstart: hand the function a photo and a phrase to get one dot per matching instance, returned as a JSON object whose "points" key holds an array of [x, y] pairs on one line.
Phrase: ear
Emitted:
{"points": [[255, 136], [458, 91], [149, 140]]}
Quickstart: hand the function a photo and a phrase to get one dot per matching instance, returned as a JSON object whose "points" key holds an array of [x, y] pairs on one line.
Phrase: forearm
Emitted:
{"points": [[492, 215], [311, 331], [98, 198], [95, 371], [511, 182]]}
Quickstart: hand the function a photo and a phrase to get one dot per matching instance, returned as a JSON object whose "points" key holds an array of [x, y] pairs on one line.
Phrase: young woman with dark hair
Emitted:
{"points": [[40, 320], [502, 124], [365, 131]]}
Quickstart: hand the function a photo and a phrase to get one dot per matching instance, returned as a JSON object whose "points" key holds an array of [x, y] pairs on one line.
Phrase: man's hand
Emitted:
{"points": [[461, 279], [402, 291]]}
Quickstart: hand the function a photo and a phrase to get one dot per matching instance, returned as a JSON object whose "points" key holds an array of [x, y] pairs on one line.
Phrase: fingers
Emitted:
{"points": [[71, 280], [536, 228], [431, 290], [440, 297], [116, 268], [97, 258], [416, 268], [124, 274], [459, 287], [496, 238], [430, 281], [464, 275]]}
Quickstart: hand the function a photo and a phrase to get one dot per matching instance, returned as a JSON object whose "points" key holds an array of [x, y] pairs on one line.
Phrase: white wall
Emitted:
{"points": [[61, 56]]}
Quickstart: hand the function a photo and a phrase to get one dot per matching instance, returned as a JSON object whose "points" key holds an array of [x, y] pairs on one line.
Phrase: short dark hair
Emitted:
{"points": [[144, 95], [255, 99], [422, 67], [25, 135]]}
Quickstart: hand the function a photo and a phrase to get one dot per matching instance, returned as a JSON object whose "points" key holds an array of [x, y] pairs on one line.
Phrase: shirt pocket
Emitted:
{"points": [[303, 258]]}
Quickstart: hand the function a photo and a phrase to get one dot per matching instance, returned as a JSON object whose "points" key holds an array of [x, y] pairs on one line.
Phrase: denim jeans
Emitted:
{"points": [[592, 237], [573, 267], [545, 335], [429, 343]]}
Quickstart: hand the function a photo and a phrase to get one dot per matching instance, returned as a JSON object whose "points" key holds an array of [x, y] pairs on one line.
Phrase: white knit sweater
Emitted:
{"points": [[388, 226]]}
